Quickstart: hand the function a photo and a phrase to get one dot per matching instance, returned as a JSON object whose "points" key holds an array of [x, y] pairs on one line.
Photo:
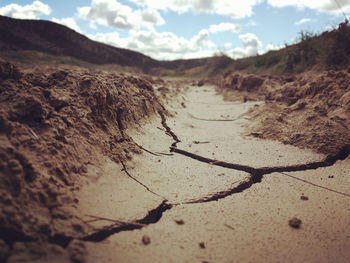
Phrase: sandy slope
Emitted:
{"points": [[308, 110], [54, 126]]}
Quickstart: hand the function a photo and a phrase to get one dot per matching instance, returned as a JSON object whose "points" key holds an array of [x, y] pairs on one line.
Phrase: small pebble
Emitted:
{"points": [[146, 240], [180, 222], [294, 222], [331, 176], [303, 197], [201, 245]]}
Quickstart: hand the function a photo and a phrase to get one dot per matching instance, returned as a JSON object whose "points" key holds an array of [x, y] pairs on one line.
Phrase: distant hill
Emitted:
{"points": [[56, 39], [32, 40], [21, 35]]}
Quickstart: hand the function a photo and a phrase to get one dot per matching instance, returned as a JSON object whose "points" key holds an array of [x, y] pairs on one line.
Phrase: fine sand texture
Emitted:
{"points": [[222, 211]]}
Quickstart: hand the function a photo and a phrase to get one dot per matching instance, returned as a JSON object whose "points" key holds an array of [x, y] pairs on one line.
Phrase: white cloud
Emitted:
{"points": [[320, 5], [251, 44], [164, 45], [224, 27], [32, 11], [270, 47], [114, 14], [251, 23], [231, 8], [69, 22], [302, 21], [168, 46]]}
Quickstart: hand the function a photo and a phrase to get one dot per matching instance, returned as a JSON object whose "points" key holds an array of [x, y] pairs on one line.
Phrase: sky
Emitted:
{"points": [[180, 29]]}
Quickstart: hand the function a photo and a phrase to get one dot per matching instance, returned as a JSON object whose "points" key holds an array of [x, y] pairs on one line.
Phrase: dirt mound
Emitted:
{"points": [[308, 110], [52, 125], [247, 86], [245, 83]]}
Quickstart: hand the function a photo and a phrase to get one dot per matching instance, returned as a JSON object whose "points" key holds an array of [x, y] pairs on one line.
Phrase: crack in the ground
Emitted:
{"points": [[213, 104], [316, 185], [329, 161], [168, 130], [159, 154], [142, 184], [256, 174], [223, 194], [148, 151], [228, 120], [152, 217]]}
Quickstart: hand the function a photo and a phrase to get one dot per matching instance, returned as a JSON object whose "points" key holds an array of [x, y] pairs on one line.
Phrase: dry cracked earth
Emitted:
{"points": [[202, 192], [196, 189]]}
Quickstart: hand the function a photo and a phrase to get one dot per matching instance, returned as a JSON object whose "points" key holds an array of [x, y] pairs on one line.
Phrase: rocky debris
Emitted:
{"points": [[294, 222], [53, 125], [201, 245]]}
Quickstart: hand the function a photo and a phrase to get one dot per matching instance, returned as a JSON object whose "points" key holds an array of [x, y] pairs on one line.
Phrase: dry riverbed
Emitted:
{"points": [[202, 192]]}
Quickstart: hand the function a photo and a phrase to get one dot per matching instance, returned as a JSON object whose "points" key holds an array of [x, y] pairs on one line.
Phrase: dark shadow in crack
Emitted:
{"points": [[223, 194], [168, 131], [329, 161], [152, 217]]}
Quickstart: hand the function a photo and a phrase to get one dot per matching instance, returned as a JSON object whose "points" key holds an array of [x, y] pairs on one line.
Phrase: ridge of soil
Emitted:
{"points": [[307, 110], [53, 125]]}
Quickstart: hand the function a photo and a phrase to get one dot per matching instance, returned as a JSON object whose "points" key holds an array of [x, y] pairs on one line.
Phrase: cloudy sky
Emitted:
{"points": [[173, 29]]}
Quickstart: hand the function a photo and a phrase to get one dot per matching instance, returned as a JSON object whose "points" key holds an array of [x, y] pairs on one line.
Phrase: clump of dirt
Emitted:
{"points": [[303, 197], [146, 240], [308, 110], [52, 125], [294, 222]]}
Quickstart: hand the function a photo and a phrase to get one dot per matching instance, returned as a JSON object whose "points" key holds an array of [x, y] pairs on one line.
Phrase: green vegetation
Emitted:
{"points": [[329, 50]]}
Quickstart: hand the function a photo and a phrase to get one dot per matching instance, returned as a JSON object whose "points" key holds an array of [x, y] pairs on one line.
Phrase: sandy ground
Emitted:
{"points": [[210, 213], [93, 168]]}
